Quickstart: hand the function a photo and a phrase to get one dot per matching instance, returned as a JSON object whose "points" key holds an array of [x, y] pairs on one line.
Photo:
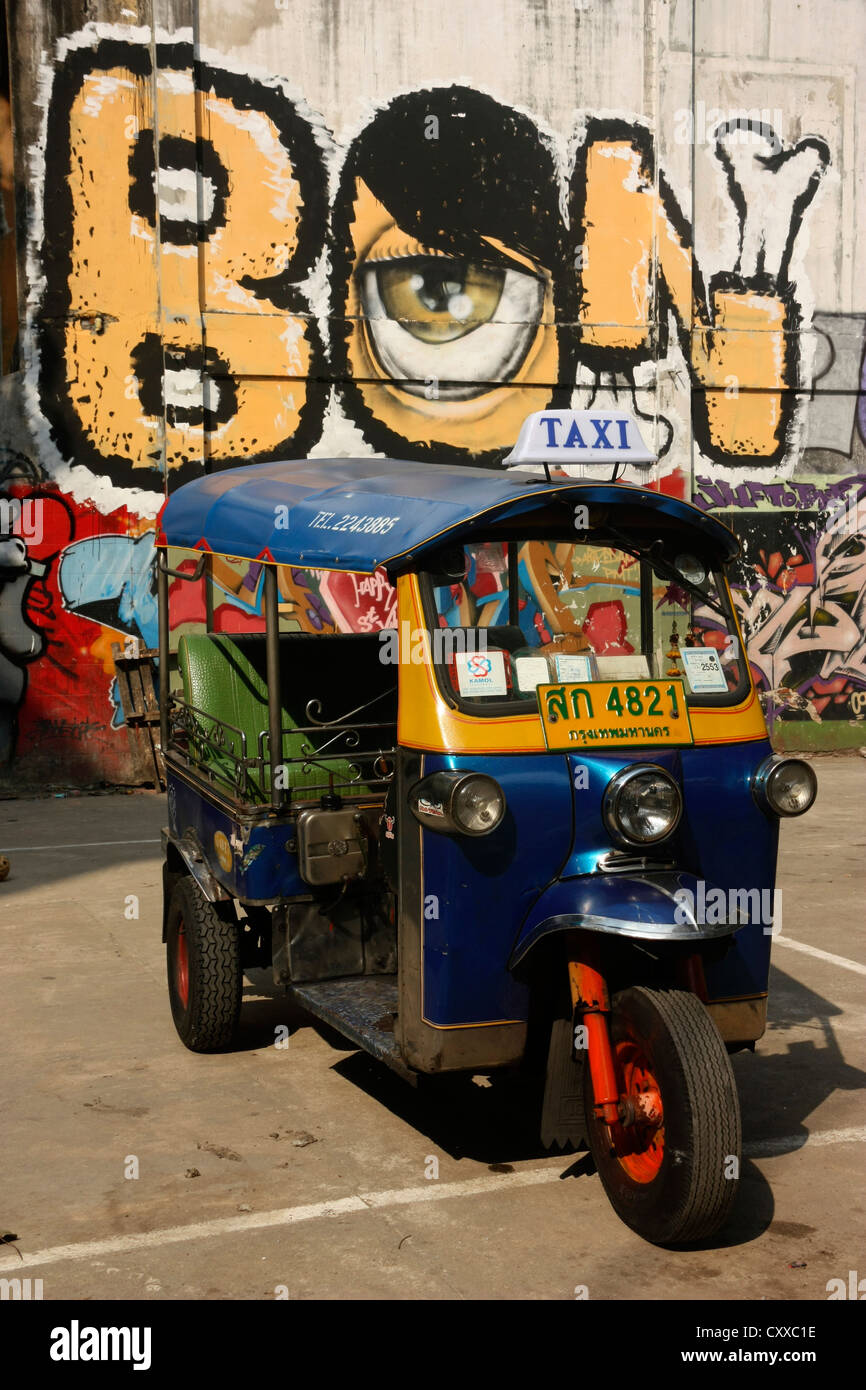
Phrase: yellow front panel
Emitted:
{"points": [[427, 721]]}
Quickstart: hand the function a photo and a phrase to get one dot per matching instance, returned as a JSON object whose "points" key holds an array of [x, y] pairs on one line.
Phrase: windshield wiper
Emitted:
{"points": [[666, 570]]}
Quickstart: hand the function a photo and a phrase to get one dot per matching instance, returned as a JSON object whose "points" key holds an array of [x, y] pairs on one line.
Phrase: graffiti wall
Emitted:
{"points": [[260, 229]]}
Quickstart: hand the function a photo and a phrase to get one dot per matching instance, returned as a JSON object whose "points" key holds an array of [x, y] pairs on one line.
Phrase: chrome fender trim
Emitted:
{"points": [[641, 906]]}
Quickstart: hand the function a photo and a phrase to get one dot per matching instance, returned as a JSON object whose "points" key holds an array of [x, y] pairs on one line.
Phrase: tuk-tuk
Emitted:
{"points": [[534, 823]]}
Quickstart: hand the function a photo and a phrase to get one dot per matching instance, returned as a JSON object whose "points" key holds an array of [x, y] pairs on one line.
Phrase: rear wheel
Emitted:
{"points": [[670, 1167], [204, 969]]}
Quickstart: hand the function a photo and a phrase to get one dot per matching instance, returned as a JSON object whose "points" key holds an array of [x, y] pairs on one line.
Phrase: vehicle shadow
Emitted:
{"points": [[789, 1077], [267, 1007], [493, 1118], [779, 1089]]}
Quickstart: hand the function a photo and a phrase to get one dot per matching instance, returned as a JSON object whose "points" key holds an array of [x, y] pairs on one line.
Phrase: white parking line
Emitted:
{"points": [[86, 844], [821, 955], [288, 1216], [367, 1201], [766, 1148]]}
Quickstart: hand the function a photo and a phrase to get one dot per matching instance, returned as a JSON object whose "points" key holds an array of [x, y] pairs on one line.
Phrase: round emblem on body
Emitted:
{"points": [[223, 851]]}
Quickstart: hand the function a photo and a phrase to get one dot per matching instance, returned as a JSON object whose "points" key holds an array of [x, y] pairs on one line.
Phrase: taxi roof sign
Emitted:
{"points": [[566, 438]]}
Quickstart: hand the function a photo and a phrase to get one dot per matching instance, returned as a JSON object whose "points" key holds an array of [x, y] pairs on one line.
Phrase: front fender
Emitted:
{"points": [[642, 906]]}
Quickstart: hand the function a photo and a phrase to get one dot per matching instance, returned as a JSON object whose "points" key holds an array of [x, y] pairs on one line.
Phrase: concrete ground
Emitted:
{"points": [[306, 1171]]}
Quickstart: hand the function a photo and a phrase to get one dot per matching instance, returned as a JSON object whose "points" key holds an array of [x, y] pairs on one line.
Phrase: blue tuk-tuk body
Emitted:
{"points": [[434, 870]]}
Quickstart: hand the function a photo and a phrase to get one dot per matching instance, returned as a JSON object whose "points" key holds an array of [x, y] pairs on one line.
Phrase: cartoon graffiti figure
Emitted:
{"points": [[20, 641], [112, 581]]}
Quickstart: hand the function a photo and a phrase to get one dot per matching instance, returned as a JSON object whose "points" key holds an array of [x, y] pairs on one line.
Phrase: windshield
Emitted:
{"points": [[519, 614]]}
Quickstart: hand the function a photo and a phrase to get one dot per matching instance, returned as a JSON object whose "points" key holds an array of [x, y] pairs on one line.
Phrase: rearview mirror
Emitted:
{"points": [[447, 565]]}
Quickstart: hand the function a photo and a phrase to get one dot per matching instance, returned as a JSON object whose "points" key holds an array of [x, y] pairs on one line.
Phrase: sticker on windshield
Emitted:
{"points": [[573, 668], [481, 673], [623, 668], [531, 671], [704, 670]]}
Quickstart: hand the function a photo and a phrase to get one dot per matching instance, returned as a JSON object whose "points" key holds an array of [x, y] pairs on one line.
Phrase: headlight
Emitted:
{"points": [[468, 802], [784, 786], [642, 805]]}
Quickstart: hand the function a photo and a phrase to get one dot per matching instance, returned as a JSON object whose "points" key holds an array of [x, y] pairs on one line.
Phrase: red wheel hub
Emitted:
{"points": [[182, 966], [639, 1144]]}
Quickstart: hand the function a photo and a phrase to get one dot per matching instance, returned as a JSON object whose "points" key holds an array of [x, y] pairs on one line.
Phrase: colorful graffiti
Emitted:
{"points": [[180, 326], [216, 279], [803, 616], [71, 581], [801, 585], [800, 592]]}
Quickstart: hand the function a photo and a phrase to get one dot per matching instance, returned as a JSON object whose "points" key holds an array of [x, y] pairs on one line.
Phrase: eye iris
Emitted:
{"points": [[439, 300]]}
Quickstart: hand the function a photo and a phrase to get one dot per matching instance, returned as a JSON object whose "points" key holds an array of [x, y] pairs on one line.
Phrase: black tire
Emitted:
{"points": [[205, 939], [688, 1196]]}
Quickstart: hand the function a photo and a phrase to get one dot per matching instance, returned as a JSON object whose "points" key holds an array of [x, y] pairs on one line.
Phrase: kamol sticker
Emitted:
{"points": [[481, 673]]}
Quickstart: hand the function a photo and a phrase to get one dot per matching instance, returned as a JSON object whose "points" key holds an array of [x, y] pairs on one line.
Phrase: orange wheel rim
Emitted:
{"points": [[639, 1146], [182, 966]]}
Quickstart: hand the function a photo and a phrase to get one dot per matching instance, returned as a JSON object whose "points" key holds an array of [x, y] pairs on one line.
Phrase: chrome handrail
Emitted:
{"points": [[205, 731]]}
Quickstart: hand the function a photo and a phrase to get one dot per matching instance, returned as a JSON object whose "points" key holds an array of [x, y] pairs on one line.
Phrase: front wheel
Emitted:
{"points": [[204, 969], [670, 1167]]}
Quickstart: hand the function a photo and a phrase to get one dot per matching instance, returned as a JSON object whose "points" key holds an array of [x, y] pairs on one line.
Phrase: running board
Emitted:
{"points": [[364, 1010]]}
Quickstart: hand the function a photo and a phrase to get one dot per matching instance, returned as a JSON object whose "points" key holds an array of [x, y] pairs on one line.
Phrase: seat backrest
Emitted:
{"points": [[224, 678], [220, 683], [341, 671]]}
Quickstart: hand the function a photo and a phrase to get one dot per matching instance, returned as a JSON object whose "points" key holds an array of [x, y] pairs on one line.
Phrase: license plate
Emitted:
{"points": [[610, 714]]}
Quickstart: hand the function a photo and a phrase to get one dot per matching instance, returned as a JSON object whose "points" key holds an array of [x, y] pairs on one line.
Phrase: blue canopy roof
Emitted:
{"points": [[358, 514]]}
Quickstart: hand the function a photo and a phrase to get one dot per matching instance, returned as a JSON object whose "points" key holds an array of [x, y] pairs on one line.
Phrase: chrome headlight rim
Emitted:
{"points": [[433, 802], [762, 785], [613, 792]]}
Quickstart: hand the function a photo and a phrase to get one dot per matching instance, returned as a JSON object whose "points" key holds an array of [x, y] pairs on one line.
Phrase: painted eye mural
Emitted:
{"points": [[470, 322], [446, 240]]}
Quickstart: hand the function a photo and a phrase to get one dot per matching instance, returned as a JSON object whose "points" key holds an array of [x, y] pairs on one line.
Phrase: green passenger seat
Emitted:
{"points": [[222, 682]]}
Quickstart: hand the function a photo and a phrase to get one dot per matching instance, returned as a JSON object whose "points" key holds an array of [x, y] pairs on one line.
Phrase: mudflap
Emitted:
{"points": [[562, 1113]]}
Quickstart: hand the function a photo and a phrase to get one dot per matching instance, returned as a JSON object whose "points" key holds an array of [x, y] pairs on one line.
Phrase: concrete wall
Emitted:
{"points": [[258, 228]]}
